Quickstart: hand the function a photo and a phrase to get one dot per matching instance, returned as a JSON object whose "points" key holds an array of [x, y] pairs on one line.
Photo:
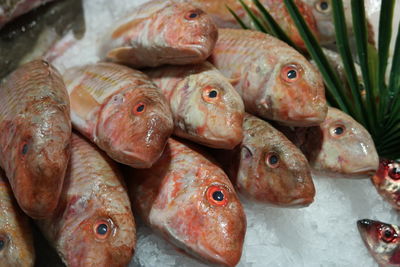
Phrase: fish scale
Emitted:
{"points": [[258, 65], [15, 230], [36, 127], [93, 194]]}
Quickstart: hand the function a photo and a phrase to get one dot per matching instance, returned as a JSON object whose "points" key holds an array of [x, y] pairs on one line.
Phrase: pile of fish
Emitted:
{"points": [[178, 117]]}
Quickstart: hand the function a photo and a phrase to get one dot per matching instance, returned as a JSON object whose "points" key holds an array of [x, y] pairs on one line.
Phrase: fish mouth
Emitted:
{"points": [[363, 171], [364, 224]]}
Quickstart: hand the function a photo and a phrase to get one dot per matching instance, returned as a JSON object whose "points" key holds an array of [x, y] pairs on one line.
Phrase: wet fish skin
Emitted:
{"points": [[36, 129], [162, 32], [121, 111], [223, 19], [174, 197], [258, 66], [339, 146], [266, 167], [214, 122], [382, 241], [16, 243], [93, 194], [10, 9], [387, 183]]}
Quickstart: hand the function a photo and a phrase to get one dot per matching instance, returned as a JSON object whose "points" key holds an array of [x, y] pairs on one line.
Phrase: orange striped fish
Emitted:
{"points": [[275, 81], [93, 225], [16, 242], [205, 107], [35, 135], [162, 32], [121, 111], [191, 203]]}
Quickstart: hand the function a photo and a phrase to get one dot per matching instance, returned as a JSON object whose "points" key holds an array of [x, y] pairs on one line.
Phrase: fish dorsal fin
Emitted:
{"points": [[126, 27]]}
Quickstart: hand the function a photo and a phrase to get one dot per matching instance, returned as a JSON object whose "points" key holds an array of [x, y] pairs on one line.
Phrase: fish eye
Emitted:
{"points": [[394, 173], [210, 94], [25, 149], [337, 130], [2, 243], [290, 73], [272, 160], [217, 195], [323, 6], [102, 229], [387, 233], [191, 15], [139, 108]]}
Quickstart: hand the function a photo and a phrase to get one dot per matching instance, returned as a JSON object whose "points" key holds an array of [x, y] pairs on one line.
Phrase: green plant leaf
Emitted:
{"points": [[342, 43], [257, 23], [335, 93], [239, 20], [361, 37]]}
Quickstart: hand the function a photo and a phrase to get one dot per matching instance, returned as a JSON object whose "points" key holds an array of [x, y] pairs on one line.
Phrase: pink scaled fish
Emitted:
{"points": [[121, 111], [382, 241], [387, 181], [275, 81], [94, 225], [162, 32], [338, 146], [192, 204], [205, 107], [267, 167], [16, 243], [35, 135]]}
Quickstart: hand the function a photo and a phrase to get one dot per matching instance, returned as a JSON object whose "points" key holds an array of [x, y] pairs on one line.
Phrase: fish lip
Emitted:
{"points": [[363, 171], [364, 224]]}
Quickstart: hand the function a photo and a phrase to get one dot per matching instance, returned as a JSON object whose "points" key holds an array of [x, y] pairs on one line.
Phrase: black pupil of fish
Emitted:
{"points": [[25, 149], [292, 74], [388, 233], [273, 160], [338, 130], [324, 5], [212, 94], [395, 173], [140, 108], [218, 196], [102, 229], [1, 244], [193, 15]]}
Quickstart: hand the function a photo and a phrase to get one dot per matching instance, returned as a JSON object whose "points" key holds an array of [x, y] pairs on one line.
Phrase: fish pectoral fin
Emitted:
{"points": [[234, 80], [121, 53]]}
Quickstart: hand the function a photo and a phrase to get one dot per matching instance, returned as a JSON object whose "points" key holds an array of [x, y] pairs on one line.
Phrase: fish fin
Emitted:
{"points": [[234, 80], [121, 54], [127, 27]]}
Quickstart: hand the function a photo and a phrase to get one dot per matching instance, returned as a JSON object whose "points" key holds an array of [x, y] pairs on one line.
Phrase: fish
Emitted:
{"points": [[16, 242], [191, 202], [9, 10], [267, 168], [382, 241], [121, 111], [339, 146], [274, 80], [161, 32], [387, 181], [93, 225], [35, 142], [205, 107], [224, 19]]}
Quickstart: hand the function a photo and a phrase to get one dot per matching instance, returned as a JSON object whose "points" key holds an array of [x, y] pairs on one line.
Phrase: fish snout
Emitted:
{"points": [[364, 224]]}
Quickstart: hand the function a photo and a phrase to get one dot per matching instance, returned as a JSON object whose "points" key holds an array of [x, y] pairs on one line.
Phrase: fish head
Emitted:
{"points": [[297, 93], [382, 240], [42, 151], [342, 145], [99, 229], [16, 242], [190, 30], [209, 220], [144, 119], [208, 110], [323, 15], [387, 181], [271, 168]]}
